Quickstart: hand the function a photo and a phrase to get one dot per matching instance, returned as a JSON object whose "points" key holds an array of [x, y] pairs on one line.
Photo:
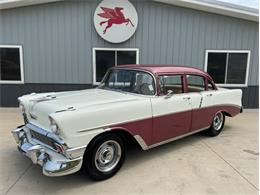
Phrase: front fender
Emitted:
{"points": [[79, 126]]}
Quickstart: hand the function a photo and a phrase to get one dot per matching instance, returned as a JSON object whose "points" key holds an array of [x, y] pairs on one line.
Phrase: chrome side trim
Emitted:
{"points": [[198, 108], [216, 105], [144, 146], [178, 137], [105, 127], [149, 117], [75, 152], [141, 142]]}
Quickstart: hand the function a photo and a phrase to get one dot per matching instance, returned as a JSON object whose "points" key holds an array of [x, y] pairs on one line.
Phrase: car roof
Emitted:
{"points": [[165, 69]]}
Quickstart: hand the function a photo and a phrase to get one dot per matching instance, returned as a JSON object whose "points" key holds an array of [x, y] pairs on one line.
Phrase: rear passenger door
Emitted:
{"points": [[201, 100]]}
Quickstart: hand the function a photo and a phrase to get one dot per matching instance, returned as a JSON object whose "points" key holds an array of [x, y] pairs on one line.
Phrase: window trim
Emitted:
{"points": [[94, 49], [187, 83], [207, 51], [145, 71], [172, 74], [207, 82], [21, 65]]}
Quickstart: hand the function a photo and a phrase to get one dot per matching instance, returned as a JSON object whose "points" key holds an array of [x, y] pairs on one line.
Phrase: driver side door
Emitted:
{"points": [[172, 112]]}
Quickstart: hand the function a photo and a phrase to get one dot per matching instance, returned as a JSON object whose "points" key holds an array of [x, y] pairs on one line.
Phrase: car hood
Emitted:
{"points": [[39, 106]]}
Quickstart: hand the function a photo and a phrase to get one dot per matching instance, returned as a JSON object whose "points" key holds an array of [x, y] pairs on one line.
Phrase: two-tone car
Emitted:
{"points": [[150, 104]]}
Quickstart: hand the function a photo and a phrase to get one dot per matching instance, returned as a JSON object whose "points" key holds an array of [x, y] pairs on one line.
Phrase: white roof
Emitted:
{"points": [[212, 6]]}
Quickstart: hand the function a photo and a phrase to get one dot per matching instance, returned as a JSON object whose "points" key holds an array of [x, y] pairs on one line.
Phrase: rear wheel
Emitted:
{"points": [[104, 157], [217, 124]]}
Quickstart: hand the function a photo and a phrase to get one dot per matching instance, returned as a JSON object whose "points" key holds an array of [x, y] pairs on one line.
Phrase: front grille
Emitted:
{"points": [[42, 138]]}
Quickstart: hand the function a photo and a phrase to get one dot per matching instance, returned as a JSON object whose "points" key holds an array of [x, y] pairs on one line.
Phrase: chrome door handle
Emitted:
{"points": [[209, 94], [186, 98]]}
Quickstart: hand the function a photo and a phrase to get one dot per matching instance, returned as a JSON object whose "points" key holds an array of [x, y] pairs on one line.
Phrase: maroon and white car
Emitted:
{"points": [[153, 105]]}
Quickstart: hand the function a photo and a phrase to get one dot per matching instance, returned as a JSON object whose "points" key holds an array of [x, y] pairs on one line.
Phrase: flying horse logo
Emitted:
{"points": [[114, 16]]}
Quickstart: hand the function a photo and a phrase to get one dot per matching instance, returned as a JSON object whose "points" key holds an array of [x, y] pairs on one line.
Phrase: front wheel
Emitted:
{"points": [[104, 157], [217, 125]]}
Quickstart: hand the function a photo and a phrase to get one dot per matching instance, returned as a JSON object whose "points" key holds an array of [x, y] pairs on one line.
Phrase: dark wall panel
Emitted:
{"points": [[10, 93]]}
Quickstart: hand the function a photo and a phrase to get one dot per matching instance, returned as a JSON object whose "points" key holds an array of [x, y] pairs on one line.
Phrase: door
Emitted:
{"points": [[172, 112], [201, 100]]}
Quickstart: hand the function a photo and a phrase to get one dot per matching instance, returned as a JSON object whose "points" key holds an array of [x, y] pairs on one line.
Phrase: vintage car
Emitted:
{"points": [[151, 104]]}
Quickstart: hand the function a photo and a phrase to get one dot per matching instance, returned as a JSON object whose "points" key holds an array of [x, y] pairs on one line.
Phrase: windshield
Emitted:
{"points": [[132, 81]]}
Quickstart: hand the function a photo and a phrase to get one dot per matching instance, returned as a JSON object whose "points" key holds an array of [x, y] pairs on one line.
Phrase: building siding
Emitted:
{"points": [[58, 38]]}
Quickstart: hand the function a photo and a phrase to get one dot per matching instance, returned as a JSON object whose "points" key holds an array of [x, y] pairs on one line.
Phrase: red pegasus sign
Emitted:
{"points": [[114, 16]]}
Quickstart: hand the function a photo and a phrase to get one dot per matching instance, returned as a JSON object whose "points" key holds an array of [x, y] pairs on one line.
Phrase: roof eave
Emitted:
{"points": [[7, 4], [214, 8], [201, 5]]}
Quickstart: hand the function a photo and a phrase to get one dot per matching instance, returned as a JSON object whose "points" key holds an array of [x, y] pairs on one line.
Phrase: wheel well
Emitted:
{"points": [[226, 113], [128, 138]]}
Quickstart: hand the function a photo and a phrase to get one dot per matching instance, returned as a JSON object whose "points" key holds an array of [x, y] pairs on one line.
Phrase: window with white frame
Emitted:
{"points": [[228, 68], [11, 64], [105, 58]]}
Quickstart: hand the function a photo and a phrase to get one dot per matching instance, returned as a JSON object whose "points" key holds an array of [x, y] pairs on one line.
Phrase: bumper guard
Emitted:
{"points": [[52, 162]]}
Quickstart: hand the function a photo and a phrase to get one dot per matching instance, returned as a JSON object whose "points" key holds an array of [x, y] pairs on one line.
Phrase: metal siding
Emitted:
{"points": [[164, 36], [176, 37], [195, 42], [182, 38], [201, 37], [188, 39], [169, 39], [151, 34], [158, 29], [58, 38], [226, 34]]}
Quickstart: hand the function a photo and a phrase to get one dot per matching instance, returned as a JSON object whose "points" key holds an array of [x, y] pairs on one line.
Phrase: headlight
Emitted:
{"points": [[54, 126], [21, 106]]}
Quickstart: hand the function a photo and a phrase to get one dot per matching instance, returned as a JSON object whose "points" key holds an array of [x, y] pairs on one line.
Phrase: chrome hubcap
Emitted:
{"points": [[218, 121], [108, 156]]}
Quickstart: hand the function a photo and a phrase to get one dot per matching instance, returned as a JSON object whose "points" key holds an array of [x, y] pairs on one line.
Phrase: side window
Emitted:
{"points": [[173, 83], [195, 83], [210, 86]]}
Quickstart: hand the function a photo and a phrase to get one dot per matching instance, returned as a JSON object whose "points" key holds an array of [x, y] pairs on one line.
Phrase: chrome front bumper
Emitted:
{"points": [[52, 162]]}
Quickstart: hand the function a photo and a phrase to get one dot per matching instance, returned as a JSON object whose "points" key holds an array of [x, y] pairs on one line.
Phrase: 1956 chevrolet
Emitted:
{"points": [[88, 129]]}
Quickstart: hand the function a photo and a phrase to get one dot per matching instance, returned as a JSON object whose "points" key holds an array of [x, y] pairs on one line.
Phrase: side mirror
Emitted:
{"points": [[169, 94]]}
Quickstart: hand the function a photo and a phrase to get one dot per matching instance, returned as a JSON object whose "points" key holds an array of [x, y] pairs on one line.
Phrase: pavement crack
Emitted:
{"points": [[27, 168], [237, 171]]}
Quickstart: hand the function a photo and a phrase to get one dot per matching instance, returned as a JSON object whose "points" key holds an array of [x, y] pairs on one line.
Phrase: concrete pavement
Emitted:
{"points": [[227, 164]]}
